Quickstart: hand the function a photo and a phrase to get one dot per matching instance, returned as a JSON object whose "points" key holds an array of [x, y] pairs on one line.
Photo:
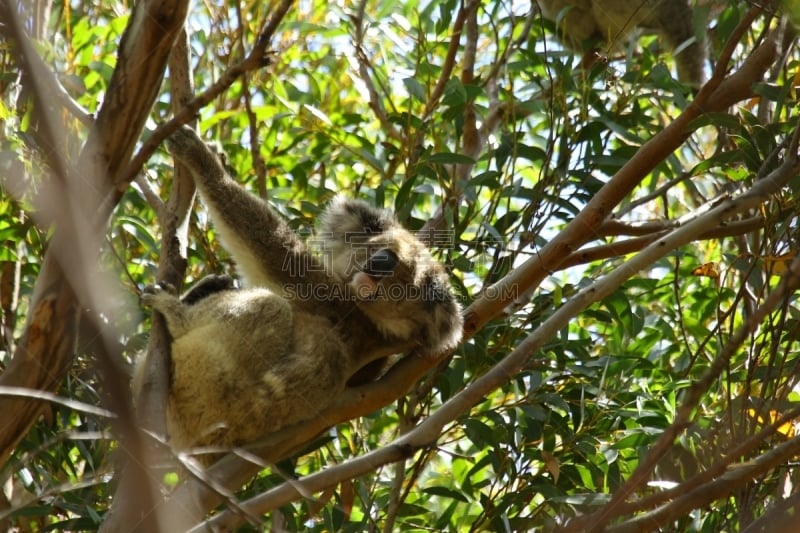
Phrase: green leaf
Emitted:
{"points": [[446, 492], [415, 89]]}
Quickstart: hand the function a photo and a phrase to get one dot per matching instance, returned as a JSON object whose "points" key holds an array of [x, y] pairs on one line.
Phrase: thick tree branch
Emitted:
{"points": [[172, 261], [758, 193], [581, 229], [153, 382], [45, 351], [628, 246], [69, 272]]}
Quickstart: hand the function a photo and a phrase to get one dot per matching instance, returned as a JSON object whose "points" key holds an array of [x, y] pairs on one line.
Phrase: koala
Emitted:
{"points": [[248, 362], [611, 21]]}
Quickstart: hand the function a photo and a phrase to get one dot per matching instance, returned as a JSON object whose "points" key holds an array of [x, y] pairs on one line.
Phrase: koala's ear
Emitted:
{"points": [[346, 215]]}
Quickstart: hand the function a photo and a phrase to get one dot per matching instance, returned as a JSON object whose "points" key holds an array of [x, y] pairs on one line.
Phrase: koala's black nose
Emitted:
{"points": [[381, 264]]}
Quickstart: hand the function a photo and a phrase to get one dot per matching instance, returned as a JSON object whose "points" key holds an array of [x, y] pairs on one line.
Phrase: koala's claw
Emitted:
{"points": [[151, 293], [161, 286]]}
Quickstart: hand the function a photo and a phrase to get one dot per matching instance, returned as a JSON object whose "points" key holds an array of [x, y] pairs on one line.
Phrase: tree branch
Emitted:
{"points": [[581, 229], [430, 429], [80, 209], [758, 193], [736, 477], [256, 59]]}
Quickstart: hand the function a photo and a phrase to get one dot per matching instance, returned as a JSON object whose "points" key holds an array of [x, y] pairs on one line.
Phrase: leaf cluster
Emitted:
{"points": [[469, 119]]}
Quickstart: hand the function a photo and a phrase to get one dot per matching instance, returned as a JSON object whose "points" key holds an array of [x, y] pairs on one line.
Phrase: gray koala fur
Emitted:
{"points": [[611, 21], [249, 362]]}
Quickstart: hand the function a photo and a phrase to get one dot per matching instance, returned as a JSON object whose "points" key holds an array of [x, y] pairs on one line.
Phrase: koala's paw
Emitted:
{"points": [[186, 146], [153, 295], [184, 141]]}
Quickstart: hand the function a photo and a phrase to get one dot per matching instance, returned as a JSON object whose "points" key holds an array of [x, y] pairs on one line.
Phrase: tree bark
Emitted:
{"points": [[83, 201]]}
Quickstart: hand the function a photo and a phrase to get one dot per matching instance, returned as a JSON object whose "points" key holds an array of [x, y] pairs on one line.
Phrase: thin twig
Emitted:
{"points": [[256, 59]]}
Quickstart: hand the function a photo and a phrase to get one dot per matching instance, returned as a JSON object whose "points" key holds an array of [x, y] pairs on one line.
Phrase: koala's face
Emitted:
{"points": [[402, 289], [392, 276]]}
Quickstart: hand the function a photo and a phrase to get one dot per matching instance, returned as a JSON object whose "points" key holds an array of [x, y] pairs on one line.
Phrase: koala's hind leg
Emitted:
{"points": [[231, 369], [162, 298]]}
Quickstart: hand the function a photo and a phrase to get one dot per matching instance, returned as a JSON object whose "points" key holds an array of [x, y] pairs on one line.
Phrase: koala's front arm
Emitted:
{"points": [[268, 253]]}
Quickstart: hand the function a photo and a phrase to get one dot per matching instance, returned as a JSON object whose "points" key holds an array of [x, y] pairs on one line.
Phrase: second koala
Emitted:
{"points": [[611, 21]]}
